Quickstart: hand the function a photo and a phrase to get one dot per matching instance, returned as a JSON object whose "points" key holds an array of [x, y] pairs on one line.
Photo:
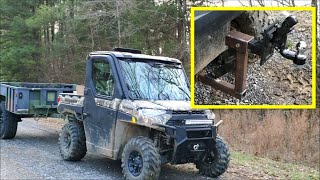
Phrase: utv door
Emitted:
{"points": [[99, 121]]}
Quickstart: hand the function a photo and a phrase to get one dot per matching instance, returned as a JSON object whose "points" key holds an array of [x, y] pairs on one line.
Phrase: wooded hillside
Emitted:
{"points": [[48, 40]]}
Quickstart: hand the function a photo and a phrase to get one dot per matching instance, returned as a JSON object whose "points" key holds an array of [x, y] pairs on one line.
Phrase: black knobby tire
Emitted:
{"points": [[72, 142], [214, 166], [253, 22], [140, 159], [8, 123]]}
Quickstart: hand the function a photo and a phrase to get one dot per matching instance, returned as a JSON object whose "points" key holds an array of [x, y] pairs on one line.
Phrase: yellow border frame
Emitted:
{"points": [[313, 58]]}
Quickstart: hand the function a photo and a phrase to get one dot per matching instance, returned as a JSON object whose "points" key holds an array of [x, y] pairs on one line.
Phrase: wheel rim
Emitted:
{"points": [[135, 163], [66, 141], [209, 159]]}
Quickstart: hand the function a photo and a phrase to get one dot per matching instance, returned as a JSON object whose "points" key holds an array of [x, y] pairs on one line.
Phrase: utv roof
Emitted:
{"points": [[135, 56]]}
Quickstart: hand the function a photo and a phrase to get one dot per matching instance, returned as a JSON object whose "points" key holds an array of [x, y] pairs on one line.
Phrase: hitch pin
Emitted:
{"points": [[216, 125]]}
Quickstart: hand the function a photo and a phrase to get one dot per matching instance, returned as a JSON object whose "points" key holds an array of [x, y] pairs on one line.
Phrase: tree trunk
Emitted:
{"points": [[52, 31], [119, 27]]}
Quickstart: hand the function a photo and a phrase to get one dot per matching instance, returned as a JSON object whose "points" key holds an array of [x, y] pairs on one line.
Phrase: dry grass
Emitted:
{"points": [[283, 135], [265, 168]]}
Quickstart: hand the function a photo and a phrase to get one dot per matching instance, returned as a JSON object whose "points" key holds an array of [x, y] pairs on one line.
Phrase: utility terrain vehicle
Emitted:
{"points": [[136, 108]]}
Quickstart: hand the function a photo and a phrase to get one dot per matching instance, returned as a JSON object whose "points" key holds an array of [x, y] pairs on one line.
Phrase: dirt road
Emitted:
{"points": [[34, 154]]}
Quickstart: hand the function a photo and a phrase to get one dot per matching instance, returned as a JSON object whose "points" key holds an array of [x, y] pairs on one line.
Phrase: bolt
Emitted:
{"points": [[237, 45]]}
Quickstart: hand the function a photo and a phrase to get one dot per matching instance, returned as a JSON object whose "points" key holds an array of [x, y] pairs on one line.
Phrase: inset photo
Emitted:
{"points": [[253, 57]]}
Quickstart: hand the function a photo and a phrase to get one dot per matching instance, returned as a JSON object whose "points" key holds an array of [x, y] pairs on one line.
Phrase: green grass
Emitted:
{"points": [[276, 169], [290, 44]]}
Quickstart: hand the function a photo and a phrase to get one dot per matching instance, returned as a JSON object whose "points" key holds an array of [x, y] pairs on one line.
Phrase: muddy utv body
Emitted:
{"points": [[136, 108]]}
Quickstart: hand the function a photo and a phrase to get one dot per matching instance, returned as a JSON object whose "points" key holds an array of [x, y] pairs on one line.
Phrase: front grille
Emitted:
{"points": [[187, 112], [176, 123], [199, 134]]}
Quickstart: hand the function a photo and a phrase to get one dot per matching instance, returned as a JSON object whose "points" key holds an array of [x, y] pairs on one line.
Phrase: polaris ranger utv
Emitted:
{"points": [[136, 108]]}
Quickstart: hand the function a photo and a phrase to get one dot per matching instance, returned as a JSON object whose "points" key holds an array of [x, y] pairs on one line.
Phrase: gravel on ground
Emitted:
{"points": [[34, 154]]}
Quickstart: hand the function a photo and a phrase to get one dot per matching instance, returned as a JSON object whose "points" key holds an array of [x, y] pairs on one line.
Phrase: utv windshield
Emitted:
{"points": [[154, 80]]}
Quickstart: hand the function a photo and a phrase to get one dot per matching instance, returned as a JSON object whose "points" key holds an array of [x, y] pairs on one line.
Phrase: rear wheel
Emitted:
{"points": [[8, 123], [140, 160], [215, 162], [253, 22], [72, 142]]}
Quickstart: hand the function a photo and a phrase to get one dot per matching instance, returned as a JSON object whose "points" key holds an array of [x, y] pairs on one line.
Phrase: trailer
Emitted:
{"points": [[19, 100]]}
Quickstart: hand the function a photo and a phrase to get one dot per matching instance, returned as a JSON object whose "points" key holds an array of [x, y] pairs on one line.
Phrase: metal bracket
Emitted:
{"points": [[238, 41]]}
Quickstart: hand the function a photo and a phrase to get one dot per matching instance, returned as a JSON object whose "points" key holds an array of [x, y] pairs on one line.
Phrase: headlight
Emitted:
{"points": [[210, 114], [154, 115]]}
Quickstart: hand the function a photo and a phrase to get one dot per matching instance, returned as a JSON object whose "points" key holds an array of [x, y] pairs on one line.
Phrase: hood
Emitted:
{"points": [[143, 110], [130, 106]]}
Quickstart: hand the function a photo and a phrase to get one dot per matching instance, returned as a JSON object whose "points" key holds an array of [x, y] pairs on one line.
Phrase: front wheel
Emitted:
{"points": [[8, 123], [216, 162], [140, 160]]}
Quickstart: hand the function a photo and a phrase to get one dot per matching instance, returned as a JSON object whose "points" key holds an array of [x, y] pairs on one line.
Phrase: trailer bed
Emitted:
{"points": [[29, 99]]}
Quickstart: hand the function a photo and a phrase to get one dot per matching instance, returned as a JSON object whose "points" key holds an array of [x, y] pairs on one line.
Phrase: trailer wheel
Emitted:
{"points": [[8, 123], [216, 162], [140, 159], [72, 142]]}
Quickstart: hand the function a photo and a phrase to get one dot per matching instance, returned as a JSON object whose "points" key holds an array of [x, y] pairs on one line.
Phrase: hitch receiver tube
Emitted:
{"points": [[238, 41]]}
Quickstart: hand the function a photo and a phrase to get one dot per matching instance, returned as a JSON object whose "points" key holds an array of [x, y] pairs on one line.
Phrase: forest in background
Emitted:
{"points": [[48, 40]]}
